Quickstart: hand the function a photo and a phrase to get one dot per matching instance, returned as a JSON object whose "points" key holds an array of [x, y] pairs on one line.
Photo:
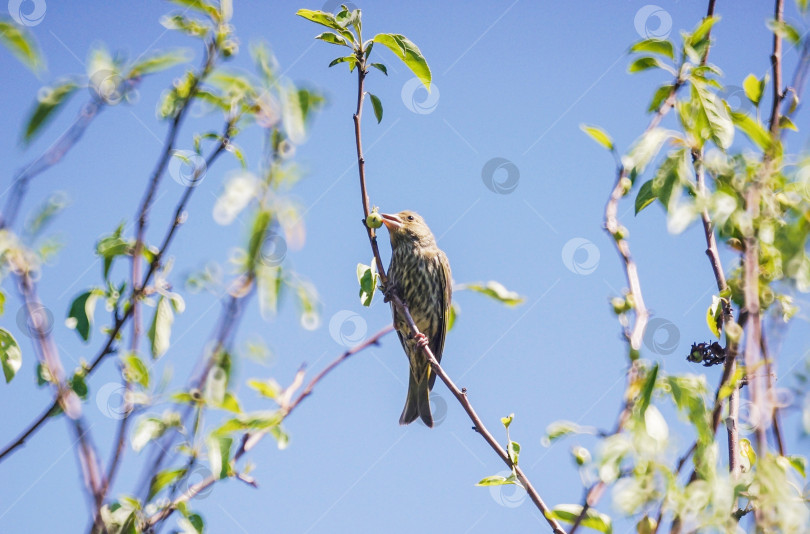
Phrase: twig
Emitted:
{"points": [[249, 440], [402, 308], [48, 159], [115, 329]]}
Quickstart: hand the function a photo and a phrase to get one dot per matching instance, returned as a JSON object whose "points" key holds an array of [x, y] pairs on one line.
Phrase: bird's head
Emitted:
{"points": [[408, 227]]}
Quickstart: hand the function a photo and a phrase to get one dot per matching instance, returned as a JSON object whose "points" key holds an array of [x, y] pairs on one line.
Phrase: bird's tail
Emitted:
{"points": [[418, 403]]}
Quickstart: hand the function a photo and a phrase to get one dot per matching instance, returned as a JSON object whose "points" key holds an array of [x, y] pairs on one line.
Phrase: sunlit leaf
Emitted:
{"points": [[598, 135], [158, 61], [655, 46], [593, 519], [409, 53], [753, 87], [494, 290], [161, 329], [378, 108], [10, 354], [82, 310], [219, 450], [49, 100], [21, 43]]}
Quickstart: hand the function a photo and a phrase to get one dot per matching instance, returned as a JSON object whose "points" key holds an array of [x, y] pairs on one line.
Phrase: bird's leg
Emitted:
{"points": [[421, 340], [389, 291]]}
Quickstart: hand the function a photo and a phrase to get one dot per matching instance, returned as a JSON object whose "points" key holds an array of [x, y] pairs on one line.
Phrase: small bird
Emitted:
{"points": [[420, 274]]}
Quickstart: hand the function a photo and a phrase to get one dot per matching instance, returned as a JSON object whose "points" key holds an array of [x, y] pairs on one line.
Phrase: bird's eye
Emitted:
{"points": [[410, 217]]}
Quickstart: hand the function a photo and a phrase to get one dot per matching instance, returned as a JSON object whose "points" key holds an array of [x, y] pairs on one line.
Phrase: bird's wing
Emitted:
{"points": [[445, 279]]}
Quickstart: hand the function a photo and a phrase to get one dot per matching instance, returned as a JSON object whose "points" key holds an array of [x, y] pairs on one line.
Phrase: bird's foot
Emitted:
{"points": [[389, 291], [421, 340]]}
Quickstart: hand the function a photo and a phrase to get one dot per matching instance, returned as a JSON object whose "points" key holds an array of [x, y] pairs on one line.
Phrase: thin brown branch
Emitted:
{"points": [[249, 440], [776, 66], [402, 308], [48, 159], [109, 346]]}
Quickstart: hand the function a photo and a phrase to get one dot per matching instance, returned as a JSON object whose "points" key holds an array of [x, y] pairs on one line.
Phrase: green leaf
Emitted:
{"points": [[258, 421], [646, 196], [747, 454], [786, 31], [593, 519], [201, 7], [452, 314], [752, 129], [219, 455], [352, 60], [506, 421], [702, 30], [377, 105], [21, 43], [267, 388], [713, 314], [655, 46], [382, 68], [134, 369], [332, 38], [712, 119], [802, 5], [598, 135], [647, 389], [559, 429], [158, 61], [645, 149], [497, 480], [660, 95], [161, 329], [799, 463], [10, 354], [150, 428], [786, 123], [367, 277], [513, 448], [111, 246], [230, 403], [409, 53], [163, 479], [216, 386], [645, 63], [2, 302], [753, 87], [82, 310], [320, 17], [494, 290], [49, 100]]}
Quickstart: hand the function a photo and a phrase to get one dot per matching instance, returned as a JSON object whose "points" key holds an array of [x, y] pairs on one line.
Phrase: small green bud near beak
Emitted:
{"points": [[374, 220]]}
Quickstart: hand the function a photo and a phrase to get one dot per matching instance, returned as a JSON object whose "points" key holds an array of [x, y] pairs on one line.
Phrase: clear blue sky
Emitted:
{"points": [[513, 80]]}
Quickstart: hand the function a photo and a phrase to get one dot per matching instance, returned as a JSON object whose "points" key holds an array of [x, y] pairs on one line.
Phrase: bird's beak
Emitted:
{"points": [[391, 222]]}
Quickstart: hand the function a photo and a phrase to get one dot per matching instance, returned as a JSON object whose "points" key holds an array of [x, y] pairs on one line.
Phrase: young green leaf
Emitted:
{"points": [[494, 290], [377, 105], [352, 60], [367, 277], [163, 479], [201, 6], [786, 31], [82, 310], [646, 196], [645, 149], [646, 63], [332, 38], [49, 100], [161, 329], [134, 369], [382, 68], [219, 451], [21, 43], [753, 87], [10, 354], [497, 480], [655, 46], [506, 421], [598, 135], [713, 120], [660, 95], [319, 17], [513, 448], [158, 61], [409, 53], [799, 463], [593, 519], [702, 30], [752, 129], [647, 389]]}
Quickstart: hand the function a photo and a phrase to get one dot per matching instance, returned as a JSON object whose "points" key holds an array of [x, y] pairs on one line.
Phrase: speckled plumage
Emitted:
{"points": [[420, 272]]}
